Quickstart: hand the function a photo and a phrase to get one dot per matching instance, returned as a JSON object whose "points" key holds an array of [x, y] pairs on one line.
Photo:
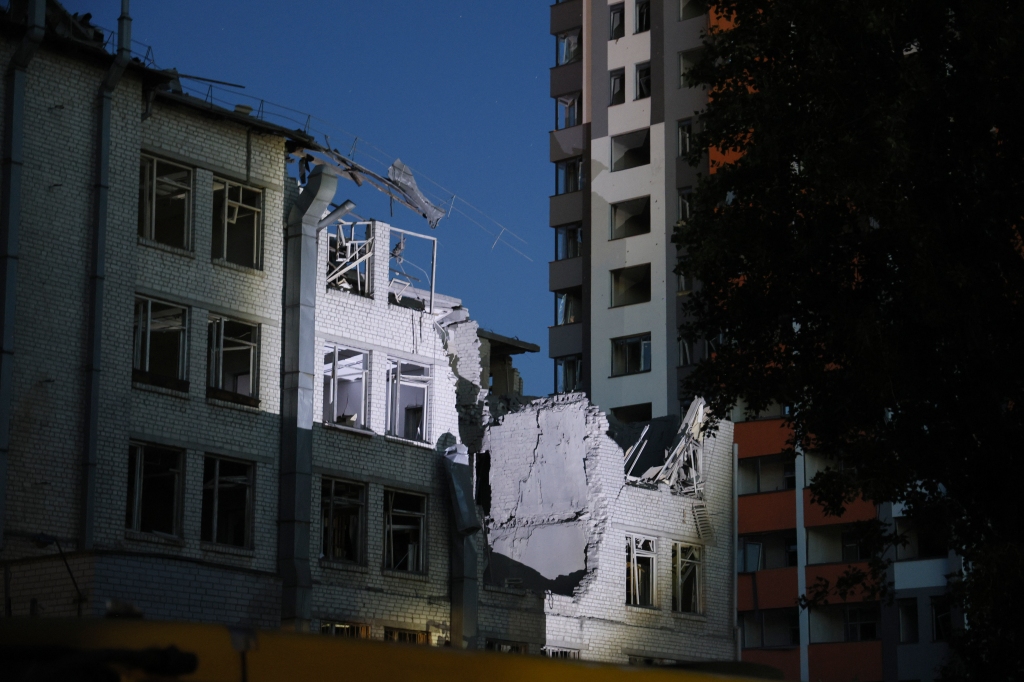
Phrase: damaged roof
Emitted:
{"points": [[504, 344]]}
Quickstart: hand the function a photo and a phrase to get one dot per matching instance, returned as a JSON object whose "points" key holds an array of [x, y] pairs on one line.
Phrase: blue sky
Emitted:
{"points": [[458, 89]]}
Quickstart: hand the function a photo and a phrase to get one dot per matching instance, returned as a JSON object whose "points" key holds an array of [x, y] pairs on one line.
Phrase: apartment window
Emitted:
{"points": [[853, 546], [616, 87], [227, 502], [768, 628], [631, 150], [341, 505], [345, 378], [160, 344], [630, 218], [154, 489], [568, 374], [406, 636], [568, 48], [561, 652], [767, 474], [504, 647], [568, 241], [687, 60], [165, 202], [408, 394], [631, 285], [686, 578], [643, 16], [908, 620], [684, 209], [237, 224], [347, 630], [405, 516], [616, 21], [919, 542], [641, 569], [684, 136], [691, 9], [569, 176], [942, 621], [861, 622], [567, 111], [684, 283], [766, 551], [685, 352], [233, 360], [631, 355], [643, 80], [568, 307]]}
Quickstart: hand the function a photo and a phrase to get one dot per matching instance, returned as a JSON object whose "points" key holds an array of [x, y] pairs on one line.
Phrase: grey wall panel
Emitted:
{"points": [[565, 274], [565, 340], [686, 175], [658, 65], [598, 86], [566, 15], [567, 208], [566, 79], [567, 143]]}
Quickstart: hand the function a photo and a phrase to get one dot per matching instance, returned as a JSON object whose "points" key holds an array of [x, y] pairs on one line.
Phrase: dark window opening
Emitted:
{"points": [[342, 507], [483, 481], [631, 285], [630, 218], [406, 636], [232, 366], [160, 340], [942, 621], [767, 474], [641, 569], [227, 502], [568, 241], [568, 48], [345, 373], [643, 80], [404, 531], [616, 87], [769, 628], [684, 209], [908, 620], [346, 630], [568, 307], [643, 16], [154, 489], [503, 647], [237, 224], [630, 414], [631, 355], [861, 623], [165, 202], [853, 546], [616, 21], [567, 111], [631, 150], [569, 176], [766, 551]]}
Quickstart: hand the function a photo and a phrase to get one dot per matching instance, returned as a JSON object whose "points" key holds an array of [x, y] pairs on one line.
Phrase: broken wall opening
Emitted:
{"points": [[350, 250], [411, 270]]}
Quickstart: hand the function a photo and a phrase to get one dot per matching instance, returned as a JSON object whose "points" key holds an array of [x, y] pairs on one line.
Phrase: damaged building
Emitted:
{"points": [[228, 398]]}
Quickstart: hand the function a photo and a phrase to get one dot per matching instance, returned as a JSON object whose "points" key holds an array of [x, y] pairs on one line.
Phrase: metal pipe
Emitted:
{"points": [[15, 81], [98, 274]]}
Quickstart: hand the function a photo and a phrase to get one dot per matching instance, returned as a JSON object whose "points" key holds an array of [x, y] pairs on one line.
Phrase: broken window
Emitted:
{"points": [[505, 647], [568, 48], [345, 382], [631, 149], [233, 359], [616, 21], [641, 557], [908, 620], [350, 258], [237, 224], [684, 136], [568, 307], [154, 489], [643, 80], [406, 636], [160, 339], [567, 111], [630, 218], [632, 414], [560, 652], [341, 629], [408, 392], [405, 516], [568, 374], [684, 209], [227, 502], [616, 87], [631, 285], [342, 504], [767, 474], [861, 622], [631, 355], [942, 621], [165, 202], [687, 60], [569, 176], [686, 578], [643, 16], [770, 628], [568, 241], [691, 9]]}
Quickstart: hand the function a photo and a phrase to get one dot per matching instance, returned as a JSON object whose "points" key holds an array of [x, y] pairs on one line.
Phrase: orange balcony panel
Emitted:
{"points": [[744, 592], [845, 661], [767, 511], [786, 660], [757, 438], [831, 573], [776, 589], [858, 510]]}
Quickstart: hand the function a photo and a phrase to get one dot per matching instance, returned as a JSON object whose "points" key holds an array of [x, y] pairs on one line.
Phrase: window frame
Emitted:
{"points": [[136, 489], [621, 272], [620, 10], [249, 502], [148, 187], [642, 93], [215, 361], [388, 527], [395, 634], [642, 338], [142, 346], [616, 166], [228, 204], [634, 552], [327, 513], [329, 627], [678, 579], [684, 205], [616, 98], [565, 173], [641, 16], [395, 380], [571, 105], [364, 404], [562, 43], [614, 207], [563, 307], [560, 364], [851, 626], [563, 239], [910, 627]]}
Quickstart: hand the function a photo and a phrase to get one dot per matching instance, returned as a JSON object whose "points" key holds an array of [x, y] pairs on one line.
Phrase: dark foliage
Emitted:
{"points": [[862, 256]]}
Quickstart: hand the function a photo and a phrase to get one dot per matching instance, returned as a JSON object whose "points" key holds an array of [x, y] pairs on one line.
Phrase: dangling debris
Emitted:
{"points": [[400, 174]]}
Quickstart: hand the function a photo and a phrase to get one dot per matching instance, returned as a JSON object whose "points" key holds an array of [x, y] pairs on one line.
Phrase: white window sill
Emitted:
{"points": [[408, 575], [233, 406], [235, 266], [414, 443], [226, 549], [343, 566], [643, 609], [150, 388], [351, 429], [687, 615], [176, 250]]}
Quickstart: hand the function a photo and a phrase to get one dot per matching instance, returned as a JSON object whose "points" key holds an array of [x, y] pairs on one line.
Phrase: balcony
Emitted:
{"points": [[568, 142], [858, 510], [831, 573], [566, 15], [567, 208], [765, 512], [765, 437], [776, 589], [845, 661], [565, 274], [566, 339], [567, 78]]}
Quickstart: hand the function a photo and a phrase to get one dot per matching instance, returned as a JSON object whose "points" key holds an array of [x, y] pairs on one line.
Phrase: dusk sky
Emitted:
{"points": [[458, 89]]}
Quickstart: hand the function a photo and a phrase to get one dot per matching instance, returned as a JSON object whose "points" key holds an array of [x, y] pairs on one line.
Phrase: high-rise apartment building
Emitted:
{"points": [[623, 118]]}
